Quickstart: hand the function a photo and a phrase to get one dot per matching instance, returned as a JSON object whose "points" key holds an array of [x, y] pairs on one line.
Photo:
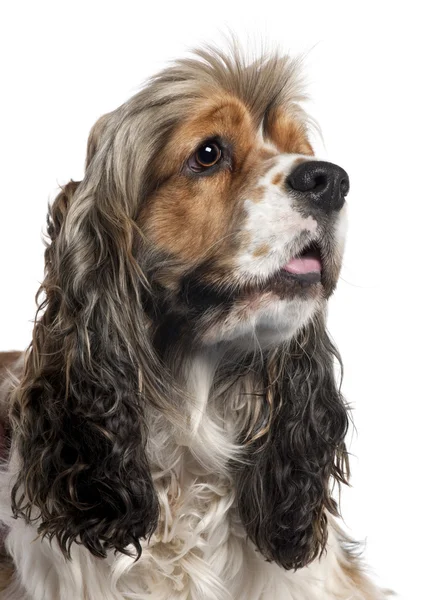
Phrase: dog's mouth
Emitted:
{"points": [[300, 274], [306, 266]]}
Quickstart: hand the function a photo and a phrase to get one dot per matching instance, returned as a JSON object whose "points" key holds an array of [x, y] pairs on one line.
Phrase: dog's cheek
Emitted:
{"points": [[188, 219]]}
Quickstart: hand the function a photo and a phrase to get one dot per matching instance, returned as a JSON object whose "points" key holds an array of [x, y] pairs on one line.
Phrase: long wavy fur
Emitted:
{"points": [[284, 489], [79, 410]]}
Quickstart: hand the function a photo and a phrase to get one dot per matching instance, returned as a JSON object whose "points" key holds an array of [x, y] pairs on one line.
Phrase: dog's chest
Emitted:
{"points": [[197, 548]]}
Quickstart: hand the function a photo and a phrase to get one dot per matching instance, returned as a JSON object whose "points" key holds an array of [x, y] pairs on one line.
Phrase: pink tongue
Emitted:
{"points": [[303, 265]]}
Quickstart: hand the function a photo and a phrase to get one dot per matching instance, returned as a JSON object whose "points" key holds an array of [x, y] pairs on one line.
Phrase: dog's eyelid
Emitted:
{"points": [[218, 140]]}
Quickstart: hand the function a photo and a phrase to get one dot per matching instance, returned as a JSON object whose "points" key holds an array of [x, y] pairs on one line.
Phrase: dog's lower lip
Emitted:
{"points": [[307, 265], [304, 278]]}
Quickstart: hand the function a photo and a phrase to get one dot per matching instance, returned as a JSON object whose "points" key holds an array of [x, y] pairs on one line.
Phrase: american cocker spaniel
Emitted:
{"points": [[175, 429]]}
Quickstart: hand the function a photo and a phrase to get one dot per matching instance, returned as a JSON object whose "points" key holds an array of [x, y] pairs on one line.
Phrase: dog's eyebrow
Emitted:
{"points": [[287, 133], [215, 117]]}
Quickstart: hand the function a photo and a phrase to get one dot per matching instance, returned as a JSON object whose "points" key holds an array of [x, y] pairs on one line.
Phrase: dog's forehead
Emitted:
{"points": [[221, 114], [217, 115]]}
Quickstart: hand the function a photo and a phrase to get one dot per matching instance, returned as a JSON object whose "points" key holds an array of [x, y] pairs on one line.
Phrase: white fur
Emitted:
{"points": [[199, 550], [263, 320], [273, 222]]}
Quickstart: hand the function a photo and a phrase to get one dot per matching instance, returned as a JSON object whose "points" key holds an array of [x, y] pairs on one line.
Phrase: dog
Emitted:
{"points": [[175, 429]]}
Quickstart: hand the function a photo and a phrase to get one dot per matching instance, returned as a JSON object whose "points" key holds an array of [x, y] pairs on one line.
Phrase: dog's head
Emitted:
{"points": [[242, 227], [203, 219]]}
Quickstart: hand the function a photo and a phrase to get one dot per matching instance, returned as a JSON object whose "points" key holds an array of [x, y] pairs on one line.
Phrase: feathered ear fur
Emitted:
{"points": [[78, 412], [284, 490]]}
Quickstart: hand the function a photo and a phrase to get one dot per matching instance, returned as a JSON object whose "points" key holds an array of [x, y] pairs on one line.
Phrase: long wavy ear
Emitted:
{"points": [[79, 411], [284, 490]]}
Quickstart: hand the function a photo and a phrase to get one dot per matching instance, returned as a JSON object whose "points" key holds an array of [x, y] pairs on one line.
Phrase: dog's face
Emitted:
{"points": [[250, 224]]}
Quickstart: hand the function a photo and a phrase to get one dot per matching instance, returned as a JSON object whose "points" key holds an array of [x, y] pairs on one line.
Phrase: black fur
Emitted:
{"points": [[284, 490], [79, 409]]}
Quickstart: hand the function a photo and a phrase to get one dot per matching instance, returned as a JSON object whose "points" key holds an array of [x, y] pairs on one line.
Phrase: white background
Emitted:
{"points": [[66, 63]]}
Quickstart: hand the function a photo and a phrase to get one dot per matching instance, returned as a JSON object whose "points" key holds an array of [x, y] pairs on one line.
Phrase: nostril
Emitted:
{"points": [[308, 178], [320, 182], [344, 186]]}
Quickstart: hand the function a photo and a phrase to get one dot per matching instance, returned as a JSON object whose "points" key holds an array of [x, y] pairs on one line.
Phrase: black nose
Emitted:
{"points": [[322, 183]]}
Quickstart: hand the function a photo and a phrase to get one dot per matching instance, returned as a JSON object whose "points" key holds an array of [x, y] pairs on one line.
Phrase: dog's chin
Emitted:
{"points": [[263, 321], [262, 311]]}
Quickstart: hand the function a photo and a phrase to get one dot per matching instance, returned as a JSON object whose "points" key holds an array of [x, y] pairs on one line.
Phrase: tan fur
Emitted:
{"points": [[257, 194], [189, 217], [262, 250], [354, 573], [186, 217], [352, 568], [288, 135], [265, 153], [277, 179]]}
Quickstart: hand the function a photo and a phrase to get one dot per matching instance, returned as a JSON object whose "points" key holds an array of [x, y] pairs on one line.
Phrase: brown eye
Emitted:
{"points": [[206, 156]]}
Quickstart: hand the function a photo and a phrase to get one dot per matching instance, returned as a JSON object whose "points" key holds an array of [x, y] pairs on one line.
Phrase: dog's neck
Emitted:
{"points": [[221, 401]]}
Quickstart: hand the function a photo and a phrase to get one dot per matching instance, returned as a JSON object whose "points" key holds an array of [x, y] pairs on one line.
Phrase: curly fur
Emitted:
{"points": [[159, 464], [81, 397], [283, 492]]}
